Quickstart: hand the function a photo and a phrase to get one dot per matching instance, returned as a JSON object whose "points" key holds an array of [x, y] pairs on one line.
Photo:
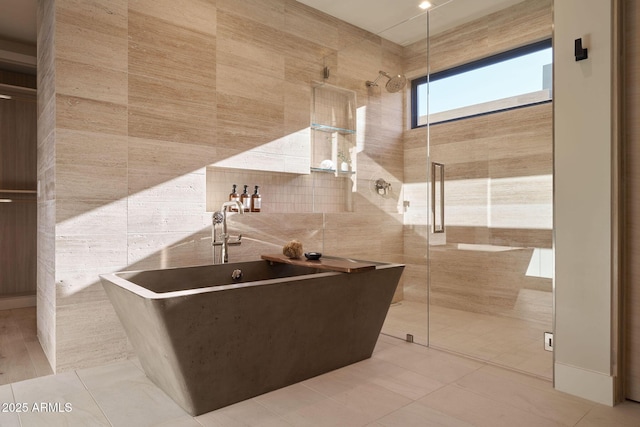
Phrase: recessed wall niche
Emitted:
{"points": [[312, 170], [333, 130], [281, 192]]}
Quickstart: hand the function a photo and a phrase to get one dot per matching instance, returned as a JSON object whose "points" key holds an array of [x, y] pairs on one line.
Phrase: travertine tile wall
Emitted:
{"points": [[46, 291], [503, 149], [91, 176], [138, 97]]}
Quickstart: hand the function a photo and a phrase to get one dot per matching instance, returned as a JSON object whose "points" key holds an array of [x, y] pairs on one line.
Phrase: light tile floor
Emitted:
{"points": [[402, 385], [513, 343]]}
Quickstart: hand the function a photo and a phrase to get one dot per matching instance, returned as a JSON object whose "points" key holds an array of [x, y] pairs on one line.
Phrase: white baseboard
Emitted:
{"points": [[594, 386]]}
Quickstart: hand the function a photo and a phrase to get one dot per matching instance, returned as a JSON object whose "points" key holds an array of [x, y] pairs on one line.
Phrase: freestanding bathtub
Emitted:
{"points": [[209, 341]]}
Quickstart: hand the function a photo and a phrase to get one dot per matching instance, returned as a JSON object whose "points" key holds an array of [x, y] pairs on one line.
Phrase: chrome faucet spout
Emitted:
{"points": [[233, 203]]}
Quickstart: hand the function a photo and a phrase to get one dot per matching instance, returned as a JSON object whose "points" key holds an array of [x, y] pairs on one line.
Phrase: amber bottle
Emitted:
{"points": [[234, 197], [245, 199], [256, 200]]}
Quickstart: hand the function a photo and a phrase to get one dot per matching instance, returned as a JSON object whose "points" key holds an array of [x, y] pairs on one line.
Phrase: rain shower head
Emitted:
{"points": [[394, 84]]}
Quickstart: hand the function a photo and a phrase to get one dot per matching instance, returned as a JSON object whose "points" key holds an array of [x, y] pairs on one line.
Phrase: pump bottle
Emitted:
{"points": [[256, 200], [245, 199], [234, 197]]}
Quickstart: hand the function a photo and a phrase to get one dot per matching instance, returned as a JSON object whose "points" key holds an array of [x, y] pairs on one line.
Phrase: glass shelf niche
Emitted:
{"points": [[333, 109], [333, 171], [333, 130]]}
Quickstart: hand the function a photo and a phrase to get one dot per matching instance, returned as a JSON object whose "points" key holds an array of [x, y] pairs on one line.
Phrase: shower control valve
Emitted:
{"points": [[382, 186]]}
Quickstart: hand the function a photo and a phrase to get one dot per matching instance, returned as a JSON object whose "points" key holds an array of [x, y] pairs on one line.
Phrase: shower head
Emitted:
{"points": [[394, 84]]}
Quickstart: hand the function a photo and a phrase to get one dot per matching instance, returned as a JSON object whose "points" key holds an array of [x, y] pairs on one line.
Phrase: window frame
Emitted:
{"points": [[479, 63]]}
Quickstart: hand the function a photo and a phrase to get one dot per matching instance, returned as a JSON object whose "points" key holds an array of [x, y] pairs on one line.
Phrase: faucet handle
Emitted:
{"points": [[217, 217], [236, 242]]}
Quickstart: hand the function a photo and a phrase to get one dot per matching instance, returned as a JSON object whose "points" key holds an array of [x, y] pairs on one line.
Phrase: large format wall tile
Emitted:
{"points": [[149, 251], [88, 81], [200, 16], [147, 94], [100, 157], [522, 24], [90, 115], [267, 233], [246, 123], [92, 33], [46, 176], [88, 334], [171, 81], [162, 49], [311, 24], [270, 13], [149, 158]]}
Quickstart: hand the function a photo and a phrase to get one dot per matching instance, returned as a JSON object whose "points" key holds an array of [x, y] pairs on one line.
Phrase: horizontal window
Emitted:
{"points": [[508, 80]]}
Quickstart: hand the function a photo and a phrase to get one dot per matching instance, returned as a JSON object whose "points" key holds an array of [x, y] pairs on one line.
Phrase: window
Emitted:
{"points": [[512, 79]]}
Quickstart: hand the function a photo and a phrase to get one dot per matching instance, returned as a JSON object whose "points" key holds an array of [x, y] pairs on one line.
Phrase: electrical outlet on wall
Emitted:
{"points": [[548, 341]]}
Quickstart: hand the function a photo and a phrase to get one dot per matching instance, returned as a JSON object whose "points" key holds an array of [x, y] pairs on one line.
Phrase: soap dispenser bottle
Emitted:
{"points": [[234, 197], [256, 200], [245, 199]]}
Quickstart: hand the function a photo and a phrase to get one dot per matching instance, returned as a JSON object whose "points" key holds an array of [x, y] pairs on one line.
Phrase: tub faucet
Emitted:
{"points": [[223, 240]]}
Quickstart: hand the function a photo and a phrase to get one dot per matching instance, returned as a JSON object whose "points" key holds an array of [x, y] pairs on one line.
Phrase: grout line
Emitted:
{"points": [[197, 421], [490, 363], [269, 409], [13, 398], [93, 398], [505, 403]]}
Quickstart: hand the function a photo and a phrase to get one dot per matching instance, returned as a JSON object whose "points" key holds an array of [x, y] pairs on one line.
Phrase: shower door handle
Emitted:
{"points": [[437, 196]]}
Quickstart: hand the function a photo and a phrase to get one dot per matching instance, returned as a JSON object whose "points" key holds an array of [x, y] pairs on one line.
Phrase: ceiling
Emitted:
{"points": [[400, 21]]}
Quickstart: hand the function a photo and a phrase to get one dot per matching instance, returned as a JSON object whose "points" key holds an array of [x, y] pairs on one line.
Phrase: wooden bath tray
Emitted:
{"points": [[325, 263]]}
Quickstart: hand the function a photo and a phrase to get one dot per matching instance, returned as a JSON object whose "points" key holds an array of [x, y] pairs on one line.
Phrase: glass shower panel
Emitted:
{"points": [[490, 270], [490, 234], [408, 315]]}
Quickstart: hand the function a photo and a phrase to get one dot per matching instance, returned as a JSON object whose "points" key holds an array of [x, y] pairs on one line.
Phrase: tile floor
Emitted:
{"points": [[402, 385], [513, 343]]}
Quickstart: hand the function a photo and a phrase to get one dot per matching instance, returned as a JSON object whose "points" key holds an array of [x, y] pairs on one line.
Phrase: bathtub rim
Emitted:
{"points": [[116, 279]]}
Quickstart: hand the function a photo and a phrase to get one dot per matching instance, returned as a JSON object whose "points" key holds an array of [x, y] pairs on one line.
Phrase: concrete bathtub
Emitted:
{"points": [[209, 341]]}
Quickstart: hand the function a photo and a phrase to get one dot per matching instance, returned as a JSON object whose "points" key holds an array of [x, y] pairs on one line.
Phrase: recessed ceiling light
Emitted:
{"points": [[424, 5]]}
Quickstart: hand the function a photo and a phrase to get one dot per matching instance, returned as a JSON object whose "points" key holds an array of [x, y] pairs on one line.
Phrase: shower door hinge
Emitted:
{"points": [[548, 341]]}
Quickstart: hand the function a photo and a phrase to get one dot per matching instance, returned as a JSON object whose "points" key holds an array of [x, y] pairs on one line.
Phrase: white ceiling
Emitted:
{"points": [[400, 21]]}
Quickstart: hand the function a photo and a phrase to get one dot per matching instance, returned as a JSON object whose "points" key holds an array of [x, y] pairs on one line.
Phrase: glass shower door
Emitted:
{"points": [[490, 247]]}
